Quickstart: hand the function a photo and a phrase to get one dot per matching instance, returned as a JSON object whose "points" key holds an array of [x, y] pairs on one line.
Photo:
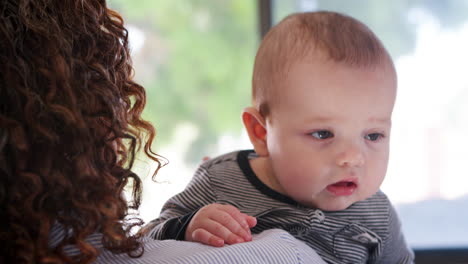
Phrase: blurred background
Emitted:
{"points": [[195, 59]]}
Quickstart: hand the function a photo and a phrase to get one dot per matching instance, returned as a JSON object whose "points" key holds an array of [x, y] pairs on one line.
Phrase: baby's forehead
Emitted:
{"points": [[318, 70]]}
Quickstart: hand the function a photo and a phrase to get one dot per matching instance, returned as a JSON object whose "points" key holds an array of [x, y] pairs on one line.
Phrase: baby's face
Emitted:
{"points": [[328, 135]]}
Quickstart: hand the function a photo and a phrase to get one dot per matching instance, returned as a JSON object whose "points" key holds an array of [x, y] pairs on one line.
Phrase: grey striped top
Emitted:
{"points": [[366, 232], [272, 246]]}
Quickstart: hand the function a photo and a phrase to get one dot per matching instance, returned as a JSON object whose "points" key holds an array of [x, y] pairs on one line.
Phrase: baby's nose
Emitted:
{"points": [[350, 156]]}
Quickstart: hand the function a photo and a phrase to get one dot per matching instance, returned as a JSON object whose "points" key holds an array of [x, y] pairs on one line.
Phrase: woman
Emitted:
{"points": [[70, 127]]}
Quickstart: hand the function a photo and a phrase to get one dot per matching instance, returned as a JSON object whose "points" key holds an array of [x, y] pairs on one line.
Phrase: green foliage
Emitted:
{"points": [[196, 64]]}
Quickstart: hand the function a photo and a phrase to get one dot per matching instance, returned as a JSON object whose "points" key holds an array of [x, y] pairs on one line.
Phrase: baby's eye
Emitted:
{"points": [[374, 136], [322, 134]]}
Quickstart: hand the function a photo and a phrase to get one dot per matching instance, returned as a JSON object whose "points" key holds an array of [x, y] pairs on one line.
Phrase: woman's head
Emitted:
{"points": [[70, 126]]}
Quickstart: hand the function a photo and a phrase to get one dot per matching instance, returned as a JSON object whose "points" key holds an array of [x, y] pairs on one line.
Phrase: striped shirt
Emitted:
{"points": [[271, 246], [367, 232]]}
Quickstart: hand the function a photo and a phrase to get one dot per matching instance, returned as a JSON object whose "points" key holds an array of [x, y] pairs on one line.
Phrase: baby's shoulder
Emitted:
{"points": [[226, 157], [225, 160], [374, 211], [378, 197], [378, 202]]}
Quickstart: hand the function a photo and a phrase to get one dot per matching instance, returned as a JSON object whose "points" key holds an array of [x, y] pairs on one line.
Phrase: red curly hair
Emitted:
{"points": [[70, 127]]}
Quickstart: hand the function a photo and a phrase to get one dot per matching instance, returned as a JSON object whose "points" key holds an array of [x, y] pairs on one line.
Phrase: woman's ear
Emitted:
{"points": [[256, 129]]}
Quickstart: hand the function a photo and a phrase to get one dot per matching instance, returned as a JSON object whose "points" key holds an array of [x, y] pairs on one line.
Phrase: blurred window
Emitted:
{"points": [[427, 178], [195, 59]]}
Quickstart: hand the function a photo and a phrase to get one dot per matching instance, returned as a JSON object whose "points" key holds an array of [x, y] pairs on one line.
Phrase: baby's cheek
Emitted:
{"points": [[380, 173], [371, 185], [301, 185]]}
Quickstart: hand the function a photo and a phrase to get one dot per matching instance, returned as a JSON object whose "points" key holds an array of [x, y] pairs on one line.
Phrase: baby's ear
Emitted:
{"points": [[256, 128]]}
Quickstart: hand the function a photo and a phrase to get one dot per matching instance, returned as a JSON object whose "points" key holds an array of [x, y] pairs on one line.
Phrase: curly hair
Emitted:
{"points": [[70, 127]]}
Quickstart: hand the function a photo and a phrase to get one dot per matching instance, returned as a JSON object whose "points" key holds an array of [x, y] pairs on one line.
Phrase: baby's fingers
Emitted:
{"points": [[224, 231], [205, 237], [251, 221], [236, 224]]}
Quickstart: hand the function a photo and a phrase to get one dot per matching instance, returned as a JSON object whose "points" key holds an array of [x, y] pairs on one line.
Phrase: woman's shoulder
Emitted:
{"points": [[270, 246]]}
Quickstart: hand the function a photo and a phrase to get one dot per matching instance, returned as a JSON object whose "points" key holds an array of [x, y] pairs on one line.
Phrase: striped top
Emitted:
{"points": [[271, 246], [366, 232]]}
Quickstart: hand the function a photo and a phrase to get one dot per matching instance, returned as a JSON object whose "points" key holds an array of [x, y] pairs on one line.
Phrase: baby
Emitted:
{"points": [[324, 88]]}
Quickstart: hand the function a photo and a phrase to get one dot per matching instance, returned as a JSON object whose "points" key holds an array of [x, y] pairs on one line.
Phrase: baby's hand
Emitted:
{"points": [[216, 224]]}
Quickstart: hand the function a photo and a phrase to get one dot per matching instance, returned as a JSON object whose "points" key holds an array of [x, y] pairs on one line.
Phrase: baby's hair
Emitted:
{"points": [[338, 37]]}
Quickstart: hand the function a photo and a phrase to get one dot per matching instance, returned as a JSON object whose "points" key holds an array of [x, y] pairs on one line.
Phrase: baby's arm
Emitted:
{"points": [[178, 211], [217, 224], [193, 215]]}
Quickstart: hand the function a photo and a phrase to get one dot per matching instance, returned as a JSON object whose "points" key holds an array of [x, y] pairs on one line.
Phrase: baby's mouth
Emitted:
{"points": [[342, 188]]}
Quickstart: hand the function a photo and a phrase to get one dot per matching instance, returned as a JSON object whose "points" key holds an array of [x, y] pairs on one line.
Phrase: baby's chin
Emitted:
{"points": [[330, 206], [341, 203], [334, 207]]}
